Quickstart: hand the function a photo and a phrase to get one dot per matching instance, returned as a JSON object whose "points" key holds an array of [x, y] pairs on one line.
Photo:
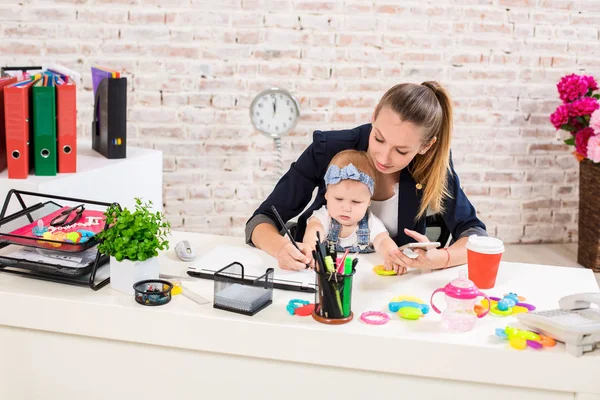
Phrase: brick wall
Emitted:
{"points": [[195, 65]]}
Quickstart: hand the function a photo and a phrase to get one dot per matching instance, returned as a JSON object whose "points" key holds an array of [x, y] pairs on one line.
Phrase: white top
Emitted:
{"points": [[375, 227], [423, 347], [387, 211]]}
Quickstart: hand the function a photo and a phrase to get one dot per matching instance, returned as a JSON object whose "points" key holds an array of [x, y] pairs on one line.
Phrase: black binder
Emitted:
{"points": [[109, 128]]}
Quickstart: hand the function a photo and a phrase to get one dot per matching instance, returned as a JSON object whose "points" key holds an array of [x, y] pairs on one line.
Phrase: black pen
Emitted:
{"points": [[287, 231]]}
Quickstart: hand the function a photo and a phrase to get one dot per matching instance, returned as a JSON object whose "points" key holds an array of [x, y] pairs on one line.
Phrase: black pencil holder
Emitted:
{"points": [[153, 292], [233, 292], [333, 300]]}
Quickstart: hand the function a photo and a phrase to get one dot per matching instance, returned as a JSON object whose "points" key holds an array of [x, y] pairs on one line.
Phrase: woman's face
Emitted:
{"points": [[393, 143]]}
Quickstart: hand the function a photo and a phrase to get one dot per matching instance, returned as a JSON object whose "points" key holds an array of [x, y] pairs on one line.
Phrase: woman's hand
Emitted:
{"points": [[290, 258], [426, 259]]}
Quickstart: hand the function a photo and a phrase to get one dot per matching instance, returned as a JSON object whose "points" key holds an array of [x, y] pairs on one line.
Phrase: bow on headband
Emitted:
{"points": [[335, 175]]}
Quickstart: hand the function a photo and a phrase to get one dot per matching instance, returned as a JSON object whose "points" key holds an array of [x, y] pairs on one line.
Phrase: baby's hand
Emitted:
{"points": [[389, 263]]}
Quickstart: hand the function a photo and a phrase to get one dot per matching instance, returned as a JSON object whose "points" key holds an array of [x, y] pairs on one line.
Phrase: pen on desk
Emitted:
{"points": [[287, 231]]}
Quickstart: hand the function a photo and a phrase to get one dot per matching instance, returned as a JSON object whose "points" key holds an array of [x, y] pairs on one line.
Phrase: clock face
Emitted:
{"points": [[274, 112]]}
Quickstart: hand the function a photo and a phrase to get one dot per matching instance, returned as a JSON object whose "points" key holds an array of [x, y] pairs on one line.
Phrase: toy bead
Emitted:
{"points": [[547, 341], [411, 313], [517, 342], [501, 333], [510, 331], [534, 345], [527, 335]]}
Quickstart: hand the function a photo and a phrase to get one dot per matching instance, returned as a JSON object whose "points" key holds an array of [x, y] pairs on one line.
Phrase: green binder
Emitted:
{"points": [[44, 128]]}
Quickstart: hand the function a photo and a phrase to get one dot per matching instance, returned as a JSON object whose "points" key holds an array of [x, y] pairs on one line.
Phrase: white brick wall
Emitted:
{"points": [[195, 65]]}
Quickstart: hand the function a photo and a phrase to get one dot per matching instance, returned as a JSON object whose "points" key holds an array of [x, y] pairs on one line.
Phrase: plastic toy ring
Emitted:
{"points": [[295, 303], [374, 317], [379, 270]]}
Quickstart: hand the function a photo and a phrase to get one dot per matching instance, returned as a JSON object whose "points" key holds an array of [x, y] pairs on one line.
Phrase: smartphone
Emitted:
{"points": [[407, 249], [421, 245]]}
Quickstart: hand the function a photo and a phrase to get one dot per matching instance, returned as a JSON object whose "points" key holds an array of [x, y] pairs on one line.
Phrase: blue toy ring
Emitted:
{"points": [[295, 303]]}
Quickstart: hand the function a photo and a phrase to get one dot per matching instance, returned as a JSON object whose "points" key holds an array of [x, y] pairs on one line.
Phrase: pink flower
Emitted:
{"points": [[592, 84], [560, 116], [583, 106], [593, 148], [595, 122], [572, 87], [581, 140]]}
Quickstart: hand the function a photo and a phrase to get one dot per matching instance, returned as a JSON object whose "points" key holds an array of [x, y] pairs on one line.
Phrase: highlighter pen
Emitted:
{"points": [[347, 286]]}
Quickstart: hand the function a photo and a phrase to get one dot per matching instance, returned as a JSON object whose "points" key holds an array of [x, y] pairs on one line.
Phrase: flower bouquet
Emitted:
{"points": [[579, 114]]}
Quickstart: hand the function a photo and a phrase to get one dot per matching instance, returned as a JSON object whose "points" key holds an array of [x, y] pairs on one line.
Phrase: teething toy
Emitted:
{"points": [[374, 317], [294, 304], [380, 270], [408, 307], [510, 304], [520, 339]]}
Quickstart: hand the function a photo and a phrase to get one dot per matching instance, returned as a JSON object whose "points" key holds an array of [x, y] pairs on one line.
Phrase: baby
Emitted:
{"points": [[346, 219]]}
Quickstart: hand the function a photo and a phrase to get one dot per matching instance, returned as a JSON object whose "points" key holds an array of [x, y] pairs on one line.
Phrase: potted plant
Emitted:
{"points": [[132, 240], [579, 114]]}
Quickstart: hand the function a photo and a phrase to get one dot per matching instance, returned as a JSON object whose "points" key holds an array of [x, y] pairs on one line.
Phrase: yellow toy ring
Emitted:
{"points": [[379, 270]]}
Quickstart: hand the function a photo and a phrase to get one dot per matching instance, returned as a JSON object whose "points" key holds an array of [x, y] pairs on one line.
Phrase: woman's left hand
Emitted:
{"points": [[426, 259]]}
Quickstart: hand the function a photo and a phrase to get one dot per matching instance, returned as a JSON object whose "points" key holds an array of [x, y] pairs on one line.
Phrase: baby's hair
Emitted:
{"points": [[360, 159]]}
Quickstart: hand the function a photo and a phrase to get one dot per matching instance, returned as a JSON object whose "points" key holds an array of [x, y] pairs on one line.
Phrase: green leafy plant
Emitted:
{"points": [[136, 236]]}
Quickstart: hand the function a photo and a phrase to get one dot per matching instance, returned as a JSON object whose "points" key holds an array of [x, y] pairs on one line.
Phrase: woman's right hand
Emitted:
{"points": [[290, 258]]}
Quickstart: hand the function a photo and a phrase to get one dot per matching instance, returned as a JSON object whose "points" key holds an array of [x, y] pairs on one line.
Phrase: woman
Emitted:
{"points": [[409, 141]]}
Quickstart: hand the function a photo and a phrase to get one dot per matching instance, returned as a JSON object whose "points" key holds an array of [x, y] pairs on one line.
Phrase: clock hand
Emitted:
{"points": [[274, 107]]}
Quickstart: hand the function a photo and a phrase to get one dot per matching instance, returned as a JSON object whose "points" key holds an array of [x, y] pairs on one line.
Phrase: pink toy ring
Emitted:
{"points": [[380, 317]]}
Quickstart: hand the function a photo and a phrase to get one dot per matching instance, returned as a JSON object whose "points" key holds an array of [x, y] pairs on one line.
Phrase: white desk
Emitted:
{"points": [[62, 342], [98, 178]]}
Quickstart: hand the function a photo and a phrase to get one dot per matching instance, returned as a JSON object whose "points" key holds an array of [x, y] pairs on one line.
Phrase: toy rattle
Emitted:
{"points": [[408, 307], [519, 339], [510, 304]]}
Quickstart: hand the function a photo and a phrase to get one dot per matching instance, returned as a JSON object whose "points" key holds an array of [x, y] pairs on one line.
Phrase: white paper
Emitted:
{"points": [[71, 260], [255, 264]]}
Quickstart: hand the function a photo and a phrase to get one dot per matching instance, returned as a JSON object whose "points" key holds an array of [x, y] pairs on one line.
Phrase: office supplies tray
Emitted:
{"points": [[68, 253], [236, 293]]}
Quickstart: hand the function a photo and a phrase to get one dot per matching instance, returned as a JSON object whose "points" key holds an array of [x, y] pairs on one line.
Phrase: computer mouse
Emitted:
{"points": [[185, 251]]}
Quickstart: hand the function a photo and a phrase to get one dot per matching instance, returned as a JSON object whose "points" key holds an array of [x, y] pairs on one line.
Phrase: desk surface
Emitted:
{"points": [[419, 348]]}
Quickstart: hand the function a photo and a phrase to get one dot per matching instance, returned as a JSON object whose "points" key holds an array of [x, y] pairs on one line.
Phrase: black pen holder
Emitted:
{"points": [[333, 300]]}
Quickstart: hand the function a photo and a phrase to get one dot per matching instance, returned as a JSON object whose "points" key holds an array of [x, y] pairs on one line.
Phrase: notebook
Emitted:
{"points": [[255, 263]]}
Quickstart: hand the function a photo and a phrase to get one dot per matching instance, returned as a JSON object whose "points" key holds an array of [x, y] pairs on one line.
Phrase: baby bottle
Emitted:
{"points": [[461, 297]]}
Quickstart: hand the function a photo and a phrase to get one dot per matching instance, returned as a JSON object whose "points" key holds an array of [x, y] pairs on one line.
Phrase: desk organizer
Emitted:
{"points": [[333, 300], [153, 292], [233, 292], [20, 217]]}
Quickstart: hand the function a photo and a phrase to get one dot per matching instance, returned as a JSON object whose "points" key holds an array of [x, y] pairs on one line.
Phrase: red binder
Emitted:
{"points": [[66, 126], [3, 82], [16, 113]]}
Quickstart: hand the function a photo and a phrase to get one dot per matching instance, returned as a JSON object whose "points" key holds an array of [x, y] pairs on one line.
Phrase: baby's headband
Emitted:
{"points": [[335, 175]]}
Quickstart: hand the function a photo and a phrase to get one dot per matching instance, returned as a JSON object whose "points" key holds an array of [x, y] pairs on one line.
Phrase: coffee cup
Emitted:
{"points": [[483, 259]]}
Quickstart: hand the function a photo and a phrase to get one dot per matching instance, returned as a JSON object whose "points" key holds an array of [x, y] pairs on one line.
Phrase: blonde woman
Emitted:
{"points": [[409, 142]]}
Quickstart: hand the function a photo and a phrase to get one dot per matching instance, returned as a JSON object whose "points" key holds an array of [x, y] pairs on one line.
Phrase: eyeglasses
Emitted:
{"points": [[66, 218]]}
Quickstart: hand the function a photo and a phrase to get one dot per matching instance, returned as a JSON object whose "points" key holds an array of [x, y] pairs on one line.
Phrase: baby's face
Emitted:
{"points": [[347, 201]]}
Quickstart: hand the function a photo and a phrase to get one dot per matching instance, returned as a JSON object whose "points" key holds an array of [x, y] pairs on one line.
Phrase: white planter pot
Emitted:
{"points": [[124, 274]]}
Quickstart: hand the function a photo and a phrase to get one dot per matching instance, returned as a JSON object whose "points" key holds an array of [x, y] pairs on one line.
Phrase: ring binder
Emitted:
{"points": [[109, 127]]}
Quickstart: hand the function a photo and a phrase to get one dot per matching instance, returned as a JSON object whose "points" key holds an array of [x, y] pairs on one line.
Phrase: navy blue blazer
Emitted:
{"points": [[294, 191]]}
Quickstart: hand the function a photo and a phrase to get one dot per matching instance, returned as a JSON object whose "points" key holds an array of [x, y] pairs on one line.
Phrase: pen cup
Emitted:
{"points": [[333, 300]]}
